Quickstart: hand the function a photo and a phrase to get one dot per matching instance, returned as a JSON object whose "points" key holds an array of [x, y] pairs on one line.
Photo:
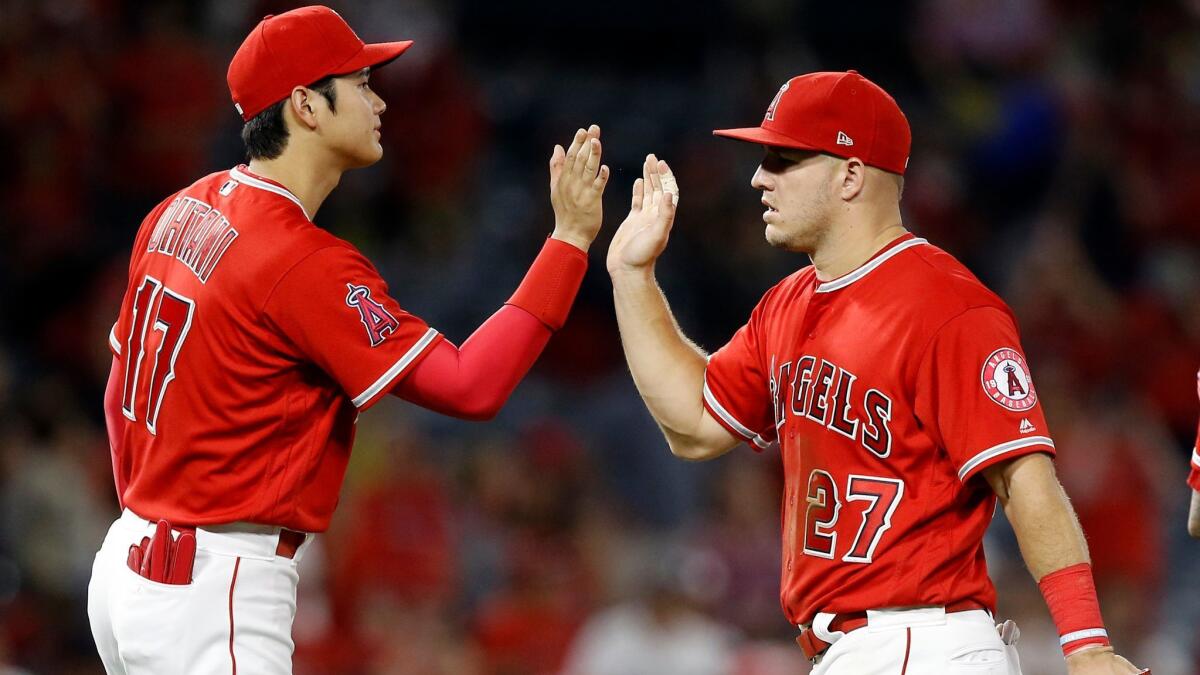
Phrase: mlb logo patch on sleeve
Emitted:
{"points": [[1006, 380], [374, 316]]}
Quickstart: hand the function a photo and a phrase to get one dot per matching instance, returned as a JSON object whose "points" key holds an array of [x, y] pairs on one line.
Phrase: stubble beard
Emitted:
{"points": [[805, 232]]}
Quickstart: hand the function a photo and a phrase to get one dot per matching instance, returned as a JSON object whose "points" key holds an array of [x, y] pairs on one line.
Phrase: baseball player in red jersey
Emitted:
{"points": [[250, 340], [1194, 481], [895, 385]]}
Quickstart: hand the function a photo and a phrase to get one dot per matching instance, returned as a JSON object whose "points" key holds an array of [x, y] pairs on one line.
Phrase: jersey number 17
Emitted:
{"points": [[156, 309]]}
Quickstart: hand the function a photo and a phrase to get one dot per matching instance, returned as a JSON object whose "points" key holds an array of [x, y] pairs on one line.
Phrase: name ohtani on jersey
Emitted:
{"points": [[817, 391]]}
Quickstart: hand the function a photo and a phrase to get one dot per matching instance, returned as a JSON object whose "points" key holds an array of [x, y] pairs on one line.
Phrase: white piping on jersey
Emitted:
{"points": [[731, 420], [397, 368], [1082, 635], [997, 450], [113, 341], [264, 185], [1196, 457], [868, 268]]}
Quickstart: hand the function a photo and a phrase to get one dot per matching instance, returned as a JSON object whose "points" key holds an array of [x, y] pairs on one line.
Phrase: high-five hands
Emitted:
{"points": [[643, 236], [577, 180]]}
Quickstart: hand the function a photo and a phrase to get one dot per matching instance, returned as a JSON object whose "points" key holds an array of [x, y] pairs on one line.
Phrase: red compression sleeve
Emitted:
{"points": [[551, 283], [1071, 596], [474, 381], [115, 421]]}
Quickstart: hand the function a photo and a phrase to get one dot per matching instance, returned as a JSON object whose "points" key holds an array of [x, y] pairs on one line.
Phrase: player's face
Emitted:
{"points": [[353, 132], [797, 190]]}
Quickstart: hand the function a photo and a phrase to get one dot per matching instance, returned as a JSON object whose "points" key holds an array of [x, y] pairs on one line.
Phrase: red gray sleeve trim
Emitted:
{"points": [[113, 343], [397, 368], [1002, 449], [731, 421]]}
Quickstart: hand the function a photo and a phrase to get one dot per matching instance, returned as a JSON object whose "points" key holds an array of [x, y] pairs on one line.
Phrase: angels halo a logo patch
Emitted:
{"points": [[1006, 380]]}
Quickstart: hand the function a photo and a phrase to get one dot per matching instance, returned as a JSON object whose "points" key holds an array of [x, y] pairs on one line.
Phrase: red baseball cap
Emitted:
{"points": [[295, 49], [843, 114]]}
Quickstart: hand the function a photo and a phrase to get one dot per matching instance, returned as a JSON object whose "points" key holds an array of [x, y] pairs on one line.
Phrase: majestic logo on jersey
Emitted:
{"points": [[1006, 380], [375, 318], [775, 103], [822, 392]]}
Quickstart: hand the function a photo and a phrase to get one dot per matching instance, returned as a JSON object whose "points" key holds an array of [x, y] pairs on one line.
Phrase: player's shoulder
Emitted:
{"points": [[941, 286]]}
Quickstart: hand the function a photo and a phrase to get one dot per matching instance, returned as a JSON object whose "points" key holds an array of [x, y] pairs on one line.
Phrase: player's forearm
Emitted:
{"points": [[475, 381], [667, 368], [1041, 516]]}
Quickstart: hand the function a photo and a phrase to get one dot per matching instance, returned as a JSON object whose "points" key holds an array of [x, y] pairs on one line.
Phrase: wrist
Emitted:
{"points": [[578, 241], [550, 285], [1070, 595], [623, 274]]}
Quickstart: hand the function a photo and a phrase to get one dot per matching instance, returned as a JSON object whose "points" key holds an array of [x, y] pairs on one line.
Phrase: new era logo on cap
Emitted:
{"points": [[843, 139]]}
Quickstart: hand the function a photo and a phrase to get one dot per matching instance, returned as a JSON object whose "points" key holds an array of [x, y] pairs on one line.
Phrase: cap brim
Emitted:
{"points": [[763, 137], [375, 55]]}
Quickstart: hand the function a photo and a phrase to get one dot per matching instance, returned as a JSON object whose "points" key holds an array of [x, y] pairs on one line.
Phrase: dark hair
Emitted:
{"points": [[265, 135]]}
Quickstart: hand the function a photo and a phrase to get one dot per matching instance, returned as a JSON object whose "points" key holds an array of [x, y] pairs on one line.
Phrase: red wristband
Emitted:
{"points": [[1071, 596], [550, 285]]}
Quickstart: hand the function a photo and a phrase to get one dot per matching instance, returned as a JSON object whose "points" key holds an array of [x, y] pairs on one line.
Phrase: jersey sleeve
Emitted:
{"points": [[975, 394], [335, 308], [737, 385], [1194, 473]]}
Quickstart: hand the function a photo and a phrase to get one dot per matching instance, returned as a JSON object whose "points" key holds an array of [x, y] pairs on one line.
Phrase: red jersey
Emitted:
{"points": [[888, 390], [250, 340]]}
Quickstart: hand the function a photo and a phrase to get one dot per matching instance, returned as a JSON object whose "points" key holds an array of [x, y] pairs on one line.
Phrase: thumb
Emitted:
{"points": [[557, 159]]}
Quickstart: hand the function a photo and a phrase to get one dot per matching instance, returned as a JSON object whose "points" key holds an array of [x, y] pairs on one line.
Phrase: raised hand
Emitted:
{"points": [[643, 236], [577, 181]]}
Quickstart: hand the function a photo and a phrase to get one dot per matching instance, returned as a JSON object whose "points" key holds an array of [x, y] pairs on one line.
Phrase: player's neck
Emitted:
{"points": [[310, 181], [848, 248]]}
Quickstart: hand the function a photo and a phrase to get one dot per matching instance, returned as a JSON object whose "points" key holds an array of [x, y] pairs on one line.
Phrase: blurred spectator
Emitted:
{"points": [[659, 631]]}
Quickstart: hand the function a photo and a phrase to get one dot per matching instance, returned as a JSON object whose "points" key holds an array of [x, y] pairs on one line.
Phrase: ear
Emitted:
{"points": [[853, 179], [301, 103]]}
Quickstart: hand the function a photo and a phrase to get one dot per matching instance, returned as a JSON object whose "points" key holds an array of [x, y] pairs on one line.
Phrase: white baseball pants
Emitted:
{"points": [[924, 641], [236, 615]]}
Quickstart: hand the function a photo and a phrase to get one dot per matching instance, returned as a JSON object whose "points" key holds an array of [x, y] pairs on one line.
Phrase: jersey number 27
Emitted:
{"points": [[156, 308], [882, 496]]}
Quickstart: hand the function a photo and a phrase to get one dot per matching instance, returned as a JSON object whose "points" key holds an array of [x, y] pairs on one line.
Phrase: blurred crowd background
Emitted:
{"points": [[1056, 152]]}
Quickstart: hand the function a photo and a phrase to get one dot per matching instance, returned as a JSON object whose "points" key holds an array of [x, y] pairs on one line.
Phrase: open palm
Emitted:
{"points": [[643, 235]]}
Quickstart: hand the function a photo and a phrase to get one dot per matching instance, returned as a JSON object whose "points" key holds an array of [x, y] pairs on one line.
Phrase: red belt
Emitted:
{"points": [[813, 646]]}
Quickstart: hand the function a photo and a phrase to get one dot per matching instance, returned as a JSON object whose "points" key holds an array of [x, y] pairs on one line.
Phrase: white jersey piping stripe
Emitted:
{"points": [[863, 271], [1082, 635], [112, 340], [397, 368], [1196, 457], [264, 185], [731, 420], [997, 450]]}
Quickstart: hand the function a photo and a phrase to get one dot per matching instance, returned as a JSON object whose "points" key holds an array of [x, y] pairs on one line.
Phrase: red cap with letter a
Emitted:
{"points": [[842, 114], [296, 49]]}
